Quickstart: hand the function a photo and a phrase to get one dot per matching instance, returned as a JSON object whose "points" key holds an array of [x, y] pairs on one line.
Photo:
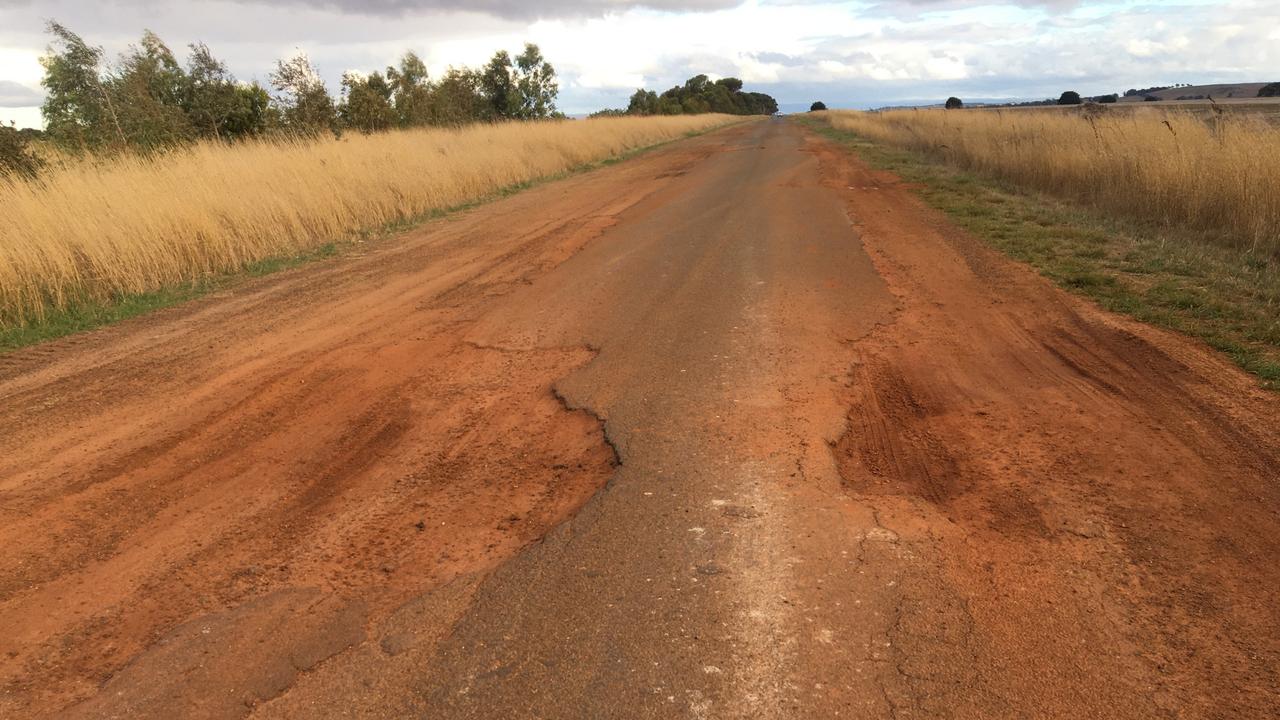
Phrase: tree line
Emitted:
{"points": [[148, 100], [699, 94]]}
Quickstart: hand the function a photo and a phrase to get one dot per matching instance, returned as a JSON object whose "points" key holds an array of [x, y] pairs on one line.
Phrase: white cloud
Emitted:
{"points": [[22, 117], [869, 52], [1143, 48]]}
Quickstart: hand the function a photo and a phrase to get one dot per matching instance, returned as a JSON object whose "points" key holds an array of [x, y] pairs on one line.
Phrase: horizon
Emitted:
{"points": [[854, 55]]}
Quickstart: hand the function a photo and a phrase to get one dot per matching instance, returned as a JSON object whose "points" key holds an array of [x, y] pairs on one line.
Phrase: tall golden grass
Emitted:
{"points": [[1220, 174], [90, 231]]}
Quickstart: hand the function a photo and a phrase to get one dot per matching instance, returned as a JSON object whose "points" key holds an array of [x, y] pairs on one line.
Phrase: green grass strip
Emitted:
{"points": [[87, 314], [1160, 275]]}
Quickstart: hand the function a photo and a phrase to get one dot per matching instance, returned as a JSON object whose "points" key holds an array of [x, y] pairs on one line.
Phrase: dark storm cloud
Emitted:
{"points": [[15, 95]]}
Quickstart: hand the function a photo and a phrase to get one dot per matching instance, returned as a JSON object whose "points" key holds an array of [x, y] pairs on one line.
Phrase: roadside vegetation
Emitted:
{"points": [[1220, 177], [1179, 234], [147, 100], [96, 231], [156, 179], [699, 94]]}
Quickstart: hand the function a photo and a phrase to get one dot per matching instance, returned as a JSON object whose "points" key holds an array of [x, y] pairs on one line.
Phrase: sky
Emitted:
{"points": [[869, 53]]}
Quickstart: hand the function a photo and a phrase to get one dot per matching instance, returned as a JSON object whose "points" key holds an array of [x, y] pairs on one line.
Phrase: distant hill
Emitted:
{"points": [[1221, 91]]}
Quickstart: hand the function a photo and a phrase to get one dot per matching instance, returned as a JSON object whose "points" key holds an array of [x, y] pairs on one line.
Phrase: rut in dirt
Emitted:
{"points": [[737, 428]]}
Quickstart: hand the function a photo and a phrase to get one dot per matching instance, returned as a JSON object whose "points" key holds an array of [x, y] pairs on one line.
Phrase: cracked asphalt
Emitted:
{"points": [[737, 428]]}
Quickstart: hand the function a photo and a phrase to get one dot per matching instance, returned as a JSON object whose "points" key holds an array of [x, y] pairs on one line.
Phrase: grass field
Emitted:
{"points": [[1174, 277], [120, 232], [1220, 177]]}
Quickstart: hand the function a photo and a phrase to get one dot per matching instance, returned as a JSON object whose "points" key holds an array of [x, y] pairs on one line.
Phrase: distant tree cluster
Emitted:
{"points": [[1271, 90], [700, 95], [1069, 97], [1147, 91], [1032, 103], [148, 100]]}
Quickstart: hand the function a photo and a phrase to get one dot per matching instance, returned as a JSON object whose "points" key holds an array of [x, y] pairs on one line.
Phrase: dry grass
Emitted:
{"points": [[1220, 176], [91, 232]]}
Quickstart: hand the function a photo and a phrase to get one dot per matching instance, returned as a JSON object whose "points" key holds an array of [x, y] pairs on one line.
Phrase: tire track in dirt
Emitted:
{"points": [[1091, 503], [200, 506], [915, 481]]}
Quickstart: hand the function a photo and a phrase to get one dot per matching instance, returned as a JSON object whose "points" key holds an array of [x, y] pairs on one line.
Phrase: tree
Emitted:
{"points": [[305, 103], [211, 96], [817, 106], [699, 95], [1108, 98], [669, 103], [1271, 90], [366, 103], [411, 89], [78, 111], [150, 88], [16, 158], [731, 84], [536, 84], [458, 98], [253, 113], [643, 102], [954, 103], [499, 87], [695, 104], [525, 89], [1070, 97], [720, 98], [760, 104]]}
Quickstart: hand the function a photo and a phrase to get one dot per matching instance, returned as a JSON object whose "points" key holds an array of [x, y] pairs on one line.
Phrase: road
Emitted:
{"points": [[736, 428]]}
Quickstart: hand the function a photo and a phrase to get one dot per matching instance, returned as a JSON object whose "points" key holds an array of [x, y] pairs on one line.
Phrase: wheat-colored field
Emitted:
{"points": [[93, 230], [1219, 174]]}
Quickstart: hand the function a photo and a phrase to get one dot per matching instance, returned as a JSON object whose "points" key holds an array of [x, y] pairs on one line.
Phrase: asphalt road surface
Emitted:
{"points": [[734, 429]]}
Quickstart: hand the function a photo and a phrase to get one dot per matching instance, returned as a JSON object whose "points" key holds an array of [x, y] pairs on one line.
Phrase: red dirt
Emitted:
{"points": [[1098, 496], [333, 490], [326, 428]]}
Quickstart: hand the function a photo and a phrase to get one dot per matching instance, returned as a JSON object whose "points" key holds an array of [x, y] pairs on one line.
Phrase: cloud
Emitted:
{"points": [[15, 95], [846, 52], [525, 9], [512, 9]]}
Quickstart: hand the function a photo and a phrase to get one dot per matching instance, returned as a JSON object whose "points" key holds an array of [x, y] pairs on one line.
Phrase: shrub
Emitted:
{"points": [[1070, 97], [1272, 90], [15, 154], [819, 105], [954, 103], [1107, 98]]}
